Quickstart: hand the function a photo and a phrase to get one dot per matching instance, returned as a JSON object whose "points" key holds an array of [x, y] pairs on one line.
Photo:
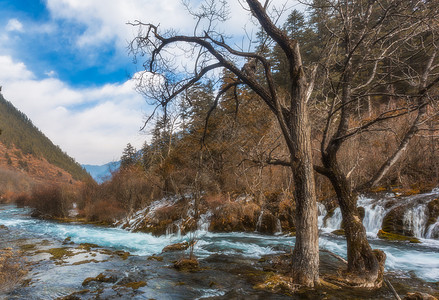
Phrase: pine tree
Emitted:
{"points": [[129, 157]]}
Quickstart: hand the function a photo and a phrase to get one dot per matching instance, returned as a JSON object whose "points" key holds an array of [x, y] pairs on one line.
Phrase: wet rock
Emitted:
{"points": [[187, 264], [433, 211], [278, 284], [419, 296], [100, 278], [268, 224], [67, 241], [134, 285], [155, 257], [176, 247], [393, 222], [396, 237], [122, 254], [339, 232]]}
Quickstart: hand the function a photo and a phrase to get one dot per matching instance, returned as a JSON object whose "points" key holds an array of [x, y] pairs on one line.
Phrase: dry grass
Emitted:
{"points": [[11, 269]]}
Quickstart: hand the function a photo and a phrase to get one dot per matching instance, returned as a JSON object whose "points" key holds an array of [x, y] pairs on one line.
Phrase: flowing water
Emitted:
{"points": [[403, 259]]}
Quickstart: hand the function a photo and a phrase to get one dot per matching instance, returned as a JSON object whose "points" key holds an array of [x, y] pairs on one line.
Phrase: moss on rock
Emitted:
{"points": [[100, 278], [135, 285], [396, 237], [187, 264]]}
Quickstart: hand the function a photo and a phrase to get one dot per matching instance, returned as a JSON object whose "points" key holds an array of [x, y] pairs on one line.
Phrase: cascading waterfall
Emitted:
{"points": [[334, 222], [374, 213], [278, 229], [204, 222], [433, 230], [259, 222], [415, 220], [321, 214]]}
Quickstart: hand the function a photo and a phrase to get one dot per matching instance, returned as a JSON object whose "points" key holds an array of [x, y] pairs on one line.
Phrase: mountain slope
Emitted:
{"points": [[102, 173], [24, 147]]}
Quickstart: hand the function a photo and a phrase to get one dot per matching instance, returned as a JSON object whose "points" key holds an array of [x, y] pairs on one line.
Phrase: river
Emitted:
{"points": [[225, 256]]}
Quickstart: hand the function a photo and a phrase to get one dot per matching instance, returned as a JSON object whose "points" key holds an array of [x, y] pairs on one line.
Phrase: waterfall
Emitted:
{"points": [[278, 227], [321, 214], [259, 222], [334, 221], [415, 220], [374, 213], [204, 222], [433, 230]]}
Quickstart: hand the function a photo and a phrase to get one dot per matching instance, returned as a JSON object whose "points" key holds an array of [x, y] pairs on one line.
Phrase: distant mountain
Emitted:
{"points": [[28, 153], [103, 172]]}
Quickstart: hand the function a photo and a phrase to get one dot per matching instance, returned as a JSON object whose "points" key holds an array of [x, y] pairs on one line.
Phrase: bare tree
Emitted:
{"points": [[379, 64], [209, 51], [385, 50]]}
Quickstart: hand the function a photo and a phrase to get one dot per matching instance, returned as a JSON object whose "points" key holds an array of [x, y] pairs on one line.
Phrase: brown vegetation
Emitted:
{"points": [[12, 269]]}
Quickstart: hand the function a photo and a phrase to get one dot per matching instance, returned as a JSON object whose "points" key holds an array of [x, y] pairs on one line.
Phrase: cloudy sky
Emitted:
{"points": [[65, 64]]}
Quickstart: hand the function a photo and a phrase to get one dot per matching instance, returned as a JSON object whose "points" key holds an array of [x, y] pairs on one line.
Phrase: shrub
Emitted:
{"points": [[22, 200], [105, 211], [47, 200]]}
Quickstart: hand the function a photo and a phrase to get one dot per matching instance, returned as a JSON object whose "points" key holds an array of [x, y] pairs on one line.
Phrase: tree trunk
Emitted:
{"points": [[365, 266], [306, 250]]}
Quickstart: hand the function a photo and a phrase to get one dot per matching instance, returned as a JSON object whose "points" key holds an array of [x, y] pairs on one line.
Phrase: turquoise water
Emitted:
{"points": [[421, 259]]}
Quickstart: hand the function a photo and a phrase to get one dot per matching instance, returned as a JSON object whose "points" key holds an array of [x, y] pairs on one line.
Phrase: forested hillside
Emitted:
{"points": [[22, 141]]}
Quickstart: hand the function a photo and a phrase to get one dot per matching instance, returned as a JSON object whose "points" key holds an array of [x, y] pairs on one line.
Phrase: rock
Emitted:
{"points": [[155, 257], [135, 285], [393, 222], [277, 283], [268, 223], [396, 237], [419, 296], [339, 232], [67, 241], [433, 212], [187, 264], [176, 247], [100, 278]]}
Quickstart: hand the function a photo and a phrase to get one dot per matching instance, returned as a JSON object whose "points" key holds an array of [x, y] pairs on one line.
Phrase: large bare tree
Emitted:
{"points": [[378, 63], [209, 51]]}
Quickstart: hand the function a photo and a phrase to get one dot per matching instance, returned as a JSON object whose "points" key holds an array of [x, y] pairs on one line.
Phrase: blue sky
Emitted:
{"points": [[65, 64]]}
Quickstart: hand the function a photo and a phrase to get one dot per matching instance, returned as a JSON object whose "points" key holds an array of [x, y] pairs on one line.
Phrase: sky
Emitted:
{"points": [[65, 64]]}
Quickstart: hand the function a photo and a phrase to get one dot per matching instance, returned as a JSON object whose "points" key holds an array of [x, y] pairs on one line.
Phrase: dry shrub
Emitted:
{"points": [[105, 211], [168, 213], [11, 269], [47, 200], [235, 216], [22, 200], [214, 201]]}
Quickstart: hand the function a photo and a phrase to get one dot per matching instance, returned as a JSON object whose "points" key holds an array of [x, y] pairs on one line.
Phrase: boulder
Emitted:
{"points": [[393, 222]]}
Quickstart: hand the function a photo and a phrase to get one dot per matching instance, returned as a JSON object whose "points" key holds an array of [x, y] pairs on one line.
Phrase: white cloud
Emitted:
{"points": [[14, 25], [106, 20], [92, 125], [50, 73]]}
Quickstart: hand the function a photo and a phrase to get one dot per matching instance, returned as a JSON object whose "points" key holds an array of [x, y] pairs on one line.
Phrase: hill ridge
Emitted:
{"points": [[22, 139]]}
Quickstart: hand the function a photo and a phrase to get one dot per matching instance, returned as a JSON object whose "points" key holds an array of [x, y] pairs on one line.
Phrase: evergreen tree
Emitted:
{"points": [[129, 157]]}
